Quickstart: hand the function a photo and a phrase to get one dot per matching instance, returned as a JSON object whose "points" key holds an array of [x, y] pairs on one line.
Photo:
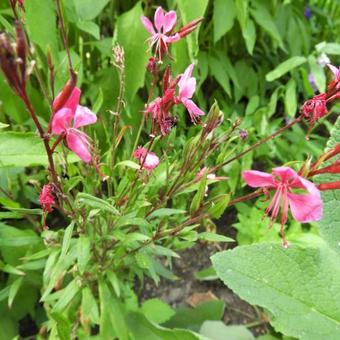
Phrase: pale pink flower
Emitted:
{"points": [[187, 87], [148, 160], [336, 73], [304, 207], [68, 119], [160, 31]]}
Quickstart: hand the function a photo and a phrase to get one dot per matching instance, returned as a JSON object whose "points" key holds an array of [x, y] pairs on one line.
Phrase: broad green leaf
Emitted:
{"points": [[113, 279], [157, 311], [223, 17], [89, 305], [330, 224], [142, 328], [193, 318], [242, 11], [213, 237], [286, 66], [219, 72], [318, 73], [329, 48], [217, 330], [62, 324], [95, 202], [299, 286], [290, 98], [89, 27], [249, 35], [41, 23], [89, 9], [190, 10], [13, 237], [206, 274], [84, 252], [132, 36], [166, 212]]}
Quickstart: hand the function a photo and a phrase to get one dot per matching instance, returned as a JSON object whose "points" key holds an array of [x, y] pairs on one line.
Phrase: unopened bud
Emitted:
{"points": [[329, 186], [64, 95], [188, 28], [243, 134]]}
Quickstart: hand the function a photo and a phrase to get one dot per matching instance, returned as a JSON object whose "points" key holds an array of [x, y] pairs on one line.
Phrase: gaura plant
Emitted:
{"points": [[130, 203]]}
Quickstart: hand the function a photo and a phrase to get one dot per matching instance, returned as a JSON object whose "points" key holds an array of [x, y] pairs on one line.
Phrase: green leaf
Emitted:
{"points": [[299, 286], [166, 212], [142, 328], [132, 36], [318, 73], [219, 72], [329, 48], [290, 98], [199, 196], [157, 311], [112, 319], [63, 325], [89, 27], [213, 237], [13, 237], [89, 305], [329, 226], [219, 205], [89, 9], [217, 330], [193, 318], [40, 17], [95, 202], [67, 239], [190, 10], [113, 279], [13, 290], [249, 35], [66, 296], [84, 252], [263, 18], [223, 17], [129, 164], [286, 66], [206, 274]]}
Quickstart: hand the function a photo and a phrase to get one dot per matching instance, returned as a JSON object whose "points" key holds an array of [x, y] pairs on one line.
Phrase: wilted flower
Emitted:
{"points": [[304, 207], [187, 87], [160, 31], [315, 108], [46, 198], [148, 160], [70, 112]]}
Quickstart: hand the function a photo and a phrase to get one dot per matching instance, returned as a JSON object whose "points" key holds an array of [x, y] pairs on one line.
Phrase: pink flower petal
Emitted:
{"points": [[79, 144], [73, 101], [192, 108], [334, 70], [169, 21], [305, 208], [159, 19], [285, 173], [84, 116], [258, 179], [147, 24], [187, 74], [187, 88], [172, 38], [151, 161], [61, 121]]}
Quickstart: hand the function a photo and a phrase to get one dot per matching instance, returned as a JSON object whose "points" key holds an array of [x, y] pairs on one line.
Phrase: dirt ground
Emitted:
{"points": [[178, 293]]}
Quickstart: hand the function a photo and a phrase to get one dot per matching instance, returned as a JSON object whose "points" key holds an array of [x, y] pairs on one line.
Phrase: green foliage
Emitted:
{"points": [[289, 283]]}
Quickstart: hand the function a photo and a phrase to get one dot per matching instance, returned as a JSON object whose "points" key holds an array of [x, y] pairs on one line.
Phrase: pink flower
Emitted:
{"points": [[68, 119], [147, 159], [46, 198], [160, 31], [336, 73], [187, 87], [304, 207], [315, 108]]}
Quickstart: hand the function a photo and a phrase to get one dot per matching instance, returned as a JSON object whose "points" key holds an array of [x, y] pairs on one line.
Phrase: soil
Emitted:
{"points": [[181, 292]]}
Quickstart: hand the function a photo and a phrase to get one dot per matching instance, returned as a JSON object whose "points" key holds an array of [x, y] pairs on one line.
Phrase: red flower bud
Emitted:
{"points": [[188, 28], [329, 186], [315, 108]]}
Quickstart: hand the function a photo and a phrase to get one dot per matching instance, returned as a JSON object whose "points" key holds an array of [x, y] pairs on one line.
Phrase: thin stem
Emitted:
{"points": [[245, 197], [257, 144], [63, 33]]}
